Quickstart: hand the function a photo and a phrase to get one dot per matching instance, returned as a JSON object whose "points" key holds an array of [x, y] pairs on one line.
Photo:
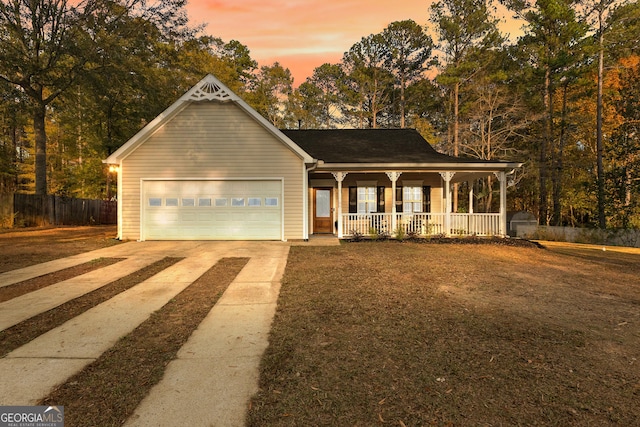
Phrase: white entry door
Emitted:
{"points": [[212, 210]]}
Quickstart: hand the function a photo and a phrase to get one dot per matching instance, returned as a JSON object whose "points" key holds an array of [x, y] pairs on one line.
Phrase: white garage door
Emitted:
{"points": [[212, 210]]}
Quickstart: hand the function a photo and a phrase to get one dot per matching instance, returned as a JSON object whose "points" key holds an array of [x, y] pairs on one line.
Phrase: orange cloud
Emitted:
{"points": [[302, 65], [301, 34]]}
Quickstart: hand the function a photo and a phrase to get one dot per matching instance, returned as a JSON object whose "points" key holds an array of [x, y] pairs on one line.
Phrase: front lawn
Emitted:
{"points": [[415, 334]]}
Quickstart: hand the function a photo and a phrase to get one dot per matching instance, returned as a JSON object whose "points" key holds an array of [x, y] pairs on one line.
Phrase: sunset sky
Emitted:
{"points": [[303, 34]]}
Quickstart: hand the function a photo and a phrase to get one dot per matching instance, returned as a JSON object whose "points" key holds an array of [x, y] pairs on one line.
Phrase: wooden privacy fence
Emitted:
{"points": [[33, 210]]}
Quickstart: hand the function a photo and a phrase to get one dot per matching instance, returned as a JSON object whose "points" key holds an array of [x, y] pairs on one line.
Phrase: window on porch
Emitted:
{"points": [[366, 199], [412, 199]]}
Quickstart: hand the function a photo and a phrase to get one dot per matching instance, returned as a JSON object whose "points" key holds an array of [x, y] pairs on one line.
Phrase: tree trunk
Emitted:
{"points": [[489, 201], [41, 147], [456, 131], [402, 101], [544, 143], [15, 158], [602, 221], [559, 164]]}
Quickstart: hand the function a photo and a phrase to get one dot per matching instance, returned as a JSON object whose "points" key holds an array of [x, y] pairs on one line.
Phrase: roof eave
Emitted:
{"points": [[425, 167]]}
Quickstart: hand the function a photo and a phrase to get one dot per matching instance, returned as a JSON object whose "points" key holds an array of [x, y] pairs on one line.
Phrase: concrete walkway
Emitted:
{"points": [[215, 373]]}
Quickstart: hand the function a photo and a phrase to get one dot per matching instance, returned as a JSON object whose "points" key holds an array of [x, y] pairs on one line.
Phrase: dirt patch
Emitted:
{"points": [[29, 246], [109, 389], [30, 285], [415, 334]]}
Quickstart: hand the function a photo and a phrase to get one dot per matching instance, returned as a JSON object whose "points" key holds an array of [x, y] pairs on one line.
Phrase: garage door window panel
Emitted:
{"points": [[237, 202], [271, 202], [188, 202]]}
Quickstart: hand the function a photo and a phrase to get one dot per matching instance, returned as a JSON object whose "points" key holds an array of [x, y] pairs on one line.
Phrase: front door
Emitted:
{"points": [[322, 214]]}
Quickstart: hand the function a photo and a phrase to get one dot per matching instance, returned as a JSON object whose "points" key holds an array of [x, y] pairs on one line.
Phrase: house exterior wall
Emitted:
{"points": [[212, 140], [428, 179]]}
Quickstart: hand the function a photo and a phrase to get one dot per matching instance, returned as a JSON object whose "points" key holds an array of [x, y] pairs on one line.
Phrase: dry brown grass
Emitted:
{"points": [[408, 334], [28, 246]]}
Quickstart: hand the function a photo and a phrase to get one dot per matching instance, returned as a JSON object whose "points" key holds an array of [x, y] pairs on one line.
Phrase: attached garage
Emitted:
{"points": [[208, 209], [211, 168]]}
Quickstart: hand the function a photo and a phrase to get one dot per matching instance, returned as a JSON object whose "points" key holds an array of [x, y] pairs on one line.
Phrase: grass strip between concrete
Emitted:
{"points": [[108, 390], [20, 334], [21, 288]]}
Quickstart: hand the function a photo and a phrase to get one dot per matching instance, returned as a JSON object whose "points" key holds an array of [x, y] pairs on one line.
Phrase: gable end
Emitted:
{"points": [[209, 91]]}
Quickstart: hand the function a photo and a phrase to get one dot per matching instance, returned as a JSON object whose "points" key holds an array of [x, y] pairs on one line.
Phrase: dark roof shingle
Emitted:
{"points": [[369, 146]]}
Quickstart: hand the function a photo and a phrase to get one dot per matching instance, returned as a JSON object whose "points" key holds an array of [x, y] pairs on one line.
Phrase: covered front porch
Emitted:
{"points": [[393, 182], [403, 220]]}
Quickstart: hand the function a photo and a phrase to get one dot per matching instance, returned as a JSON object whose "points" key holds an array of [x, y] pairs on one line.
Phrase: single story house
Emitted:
{"points": [[211, 168]]}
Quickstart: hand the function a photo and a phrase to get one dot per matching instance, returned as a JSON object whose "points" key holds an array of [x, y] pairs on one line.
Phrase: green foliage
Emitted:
{"points": [[591, 236], [374, 233], [270, 91], [8, 170], [316, 103], [623, 152], [369, 84], [109, 68], [100, 71], [549, 234]]}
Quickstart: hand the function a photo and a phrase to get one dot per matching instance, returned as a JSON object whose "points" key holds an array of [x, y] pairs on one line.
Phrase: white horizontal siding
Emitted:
{"points": [[213, 140]]}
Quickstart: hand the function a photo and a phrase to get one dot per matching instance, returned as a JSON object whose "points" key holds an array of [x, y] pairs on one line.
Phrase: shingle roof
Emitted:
{"points": [[370, 146]]}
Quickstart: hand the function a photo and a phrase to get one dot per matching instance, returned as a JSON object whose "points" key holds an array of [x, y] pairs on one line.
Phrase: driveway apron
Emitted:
{"points": [[216, 371]]}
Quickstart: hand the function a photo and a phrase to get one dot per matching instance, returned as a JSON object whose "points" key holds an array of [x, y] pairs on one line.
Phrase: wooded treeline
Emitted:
{"points": [[78, 79]]}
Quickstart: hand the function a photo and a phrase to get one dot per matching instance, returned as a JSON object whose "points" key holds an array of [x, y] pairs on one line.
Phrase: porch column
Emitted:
{"points": [[339, 176], [502, 177], [393, 176], [470, 197], [447, 176]]}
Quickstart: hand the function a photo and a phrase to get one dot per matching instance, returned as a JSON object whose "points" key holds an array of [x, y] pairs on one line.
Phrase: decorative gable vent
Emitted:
{"points": [[210, 91]]}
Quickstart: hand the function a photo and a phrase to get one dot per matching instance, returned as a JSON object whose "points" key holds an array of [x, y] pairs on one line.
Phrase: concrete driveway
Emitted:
{"points": [[216, 371]]}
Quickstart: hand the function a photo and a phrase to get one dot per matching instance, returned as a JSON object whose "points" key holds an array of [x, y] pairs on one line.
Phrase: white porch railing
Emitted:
{"points": [[479, 224], [422, 224]]}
